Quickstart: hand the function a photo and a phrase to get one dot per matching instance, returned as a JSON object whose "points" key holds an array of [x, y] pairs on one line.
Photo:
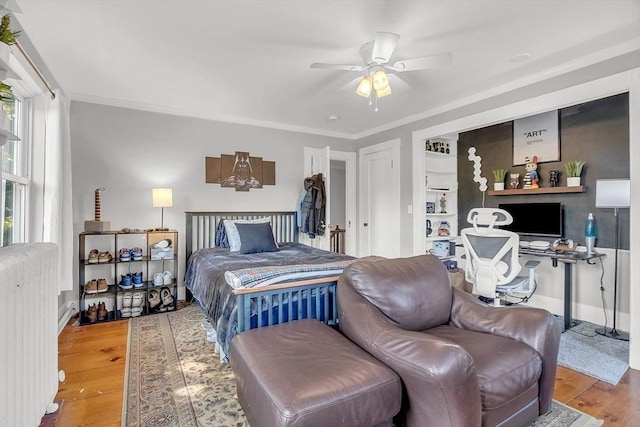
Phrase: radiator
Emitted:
{"points": [[29, 337]]}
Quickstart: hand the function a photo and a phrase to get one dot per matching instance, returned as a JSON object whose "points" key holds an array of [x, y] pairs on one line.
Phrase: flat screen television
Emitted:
{"points": [[535, 219]]}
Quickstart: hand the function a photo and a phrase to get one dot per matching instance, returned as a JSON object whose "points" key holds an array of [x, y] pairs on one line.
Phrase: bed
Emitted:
{"points": [[239, 291]]}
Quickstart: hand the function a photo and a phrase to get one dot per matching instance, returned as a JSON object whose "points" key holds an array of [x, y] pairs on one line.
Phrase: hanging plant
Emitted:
{"points": [[7, 36]]}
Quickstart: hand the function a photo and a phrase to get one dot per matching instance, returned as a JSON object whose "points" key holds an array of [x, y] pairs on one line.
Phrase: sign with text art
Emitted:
{"points": [[536, 136], [240, 171]]}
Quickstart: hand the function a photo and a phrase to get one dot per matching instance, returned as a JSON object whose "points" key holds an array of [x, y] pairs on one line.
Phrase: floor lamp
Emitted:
{"points": [[162, 198], [614, 193]]}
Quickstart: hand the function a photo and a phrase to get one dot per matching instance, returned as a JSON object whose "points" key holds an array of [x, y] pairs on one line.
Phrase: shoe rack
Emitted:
{"points": [[114, 286]]}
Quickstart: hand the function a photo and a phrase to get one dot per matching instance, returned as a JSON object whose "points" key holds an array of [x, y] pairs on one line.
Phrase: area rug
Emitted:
{"points": [[174, 378], [582, 350]]}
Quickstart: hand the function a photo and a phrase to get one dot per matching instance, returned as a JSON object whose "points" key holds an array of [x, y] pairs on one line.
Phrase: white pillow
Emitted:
{"points": [[232, 231]]}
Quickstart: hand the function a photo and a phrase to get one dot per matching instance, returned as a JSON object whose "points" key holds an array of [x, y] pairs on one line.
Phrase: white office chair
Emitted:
{"points": [[492, 257]]}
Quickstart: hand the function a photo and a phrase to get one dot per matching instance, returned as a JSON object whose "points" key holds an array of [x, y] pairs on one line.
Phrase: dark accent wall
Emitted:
{"points": [[596, 132]]}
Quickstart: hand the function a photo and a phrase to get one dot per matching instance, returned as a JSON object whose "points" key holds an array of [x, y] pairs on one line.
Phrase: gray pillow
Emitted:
{"points": [[257, 237]]}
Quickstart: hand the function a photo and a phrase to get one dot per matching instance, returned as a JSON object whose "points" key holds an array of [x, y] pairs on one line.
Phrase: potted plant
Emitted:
{"points": [[574, 170], [7, 37], [499, 175]]}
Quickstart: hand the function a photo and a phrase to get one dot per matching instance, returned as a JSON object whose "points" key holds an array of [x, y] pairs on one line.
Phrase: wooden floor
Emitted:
{"points": [[93, 358]]}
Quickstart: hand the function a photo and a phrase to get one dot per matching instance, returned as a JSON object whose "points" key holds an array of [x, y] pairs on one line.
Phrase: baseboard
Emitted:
{"points": [[65, 313]]}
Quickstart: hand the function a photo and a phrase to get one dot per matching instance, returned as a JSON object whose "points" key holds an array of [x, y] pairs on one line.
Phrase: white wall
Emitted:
{"points": [[129, 152]]}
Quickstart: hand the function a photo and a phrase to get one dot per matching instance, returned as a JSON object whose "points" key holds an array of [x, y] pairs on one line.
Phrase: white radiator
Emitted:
{"points": [[29, 332]]}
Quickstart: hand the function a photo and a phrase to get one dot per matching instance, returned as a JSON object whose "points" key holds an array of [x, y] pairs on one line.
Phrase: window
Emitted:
{"points": [[14, 178]]}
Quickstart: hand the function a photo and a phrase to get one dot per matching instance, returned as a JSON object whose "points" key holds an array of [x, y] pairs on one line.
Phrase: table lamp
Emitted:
{"points": [[162, 198], [614, 193]]}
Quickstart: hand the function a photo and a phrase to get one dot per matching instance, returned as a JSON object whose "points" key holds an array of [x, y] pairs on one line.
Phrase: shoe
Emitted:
{"points": [[157, 279], [167, 299], [163, 244], [91, 287], [138, 299], [136, 254], [92, 313], [125, 255], [102, 286], [104, 257], [125, 312], [102, 311], [93, 256], [127, 299], [136, 311], [167, 278], [154, 298], [126, 283], [137, 280]]}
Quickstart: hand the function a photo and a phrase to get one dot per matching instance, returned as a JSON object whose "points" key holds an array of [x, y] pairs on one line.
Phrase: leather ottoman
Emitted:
{"points": [[304, 373]]}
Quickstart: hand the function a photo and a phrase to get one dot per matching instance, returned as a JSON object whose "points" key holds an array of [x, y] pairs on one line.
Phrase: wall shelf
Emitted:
{"points": [[542, 190]]}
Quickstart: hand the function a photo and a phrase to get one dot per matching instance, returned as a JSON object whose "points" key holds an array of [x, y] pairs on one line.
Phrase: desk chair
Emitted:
{"points": [[492, 257]]}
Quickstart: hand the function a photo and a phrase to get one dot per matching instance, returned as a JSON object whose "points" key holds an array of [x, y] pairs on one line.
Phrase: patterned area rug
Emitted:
{"points": [[174, 378]]}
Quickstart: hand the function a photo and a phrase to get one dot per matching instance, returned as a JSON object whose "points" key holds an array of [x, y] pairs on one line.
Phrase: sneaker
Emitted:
{"points": [[125, 312], [104, 257], [138, 299], [102, 286], [154, 298], [137, 280], [162, 244], [92, 313], [136, 254], [136, 311], [91, 287], [127, 299], [125, 255], [167, 278], [102, 311], [126, 283], [167, 299], [157, 279], [93, 256]]}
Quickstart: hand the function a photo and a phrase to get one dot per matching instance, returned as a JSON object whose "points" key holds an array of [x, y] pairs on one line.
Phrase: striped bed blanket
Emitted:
{"points": [[263, 276]]}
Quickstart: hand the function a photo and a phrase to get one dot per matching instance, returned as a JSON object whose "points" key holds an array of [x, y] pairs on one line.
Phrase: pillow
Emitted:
{"points": [[232, 231], [221, 235], [256, 237]]}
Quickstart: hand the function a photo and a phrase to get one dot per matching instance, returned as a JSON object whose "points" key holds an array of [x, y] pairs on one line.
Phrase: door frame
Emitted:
{"points": [[350, 204], [393, 146]]}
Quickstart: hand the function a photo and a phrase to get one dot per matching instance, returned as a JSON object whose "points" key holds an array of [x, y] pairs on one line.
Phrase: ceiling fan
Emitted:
{"points": [[376, 55]]}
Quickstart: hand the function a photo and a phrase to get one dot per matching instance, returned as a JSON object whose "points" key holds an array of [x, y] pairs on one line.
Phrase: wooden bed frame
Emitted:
{"points": [[200, 233]]}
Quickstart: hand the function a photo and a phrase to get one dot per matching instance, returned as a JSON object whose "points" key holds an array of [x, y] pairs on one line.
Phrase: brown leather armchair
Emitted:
{"points": [[461, 361]]}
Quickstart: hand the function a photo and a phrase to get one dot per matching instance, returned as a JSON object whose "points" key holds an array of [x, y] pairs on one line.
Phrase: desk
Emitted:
{"points": [[568, 258]]}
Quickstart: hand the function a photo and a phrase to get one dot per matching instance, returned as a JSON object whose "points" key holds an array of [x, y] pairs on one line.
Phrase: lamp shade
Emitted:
{"points": [[613, 193], [364, 88], [162, 197]]}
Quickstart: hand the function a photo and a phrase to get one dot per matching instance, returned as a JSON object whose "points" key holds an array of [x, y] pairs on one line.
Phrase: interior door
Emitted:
{"points": [[380, 200]]}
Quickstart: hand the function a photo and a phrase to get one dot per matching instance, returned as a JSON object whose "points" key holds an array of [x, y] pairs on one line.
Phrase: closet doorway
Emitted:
{"points": [[340, 206]]}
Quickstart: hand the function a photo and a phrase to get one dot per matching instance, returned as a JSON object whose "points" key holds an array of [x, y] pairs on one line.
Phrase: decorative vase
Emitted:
{"points": [[573, 181], [498, 186]]}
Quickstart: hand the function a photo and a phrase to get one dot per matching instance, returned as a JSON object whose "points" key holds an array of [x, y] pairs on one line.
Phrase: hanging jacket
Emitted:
{"points": [[313, 206]]}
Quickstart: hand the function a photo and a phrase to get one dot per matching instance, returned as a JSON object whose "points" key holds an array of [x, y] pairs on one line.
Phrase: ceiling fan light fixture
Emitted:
{"points": [[364, 88], [380, 80]]}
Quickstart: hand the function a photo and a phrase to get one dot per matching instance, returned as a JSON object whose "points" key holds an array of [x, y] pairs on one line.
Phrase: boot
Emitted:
{"points": [[92, 313], [102, 311]]}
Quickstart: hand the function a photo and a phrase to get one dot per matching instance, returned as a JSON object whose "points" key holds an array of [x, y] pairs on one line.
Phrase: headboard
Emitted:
{"points": [[201, 227]]}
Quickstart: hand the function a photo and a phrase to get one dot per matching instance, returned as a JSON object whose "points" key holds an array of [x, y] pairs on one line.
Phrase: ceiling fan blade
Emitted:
{"points": [[383, 47], [344, 67], [431, 61]]}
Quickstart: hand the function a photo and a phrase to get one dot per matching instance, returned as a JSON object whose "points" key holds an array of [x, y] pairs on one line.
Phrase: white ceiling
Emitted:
{"points": [[248, 61]]}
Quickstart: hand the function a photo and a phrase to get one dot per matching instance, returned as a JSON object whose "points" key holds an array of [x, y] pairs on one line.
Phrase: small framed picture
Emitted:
{"points": [[430, 207], [441, 248]]}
